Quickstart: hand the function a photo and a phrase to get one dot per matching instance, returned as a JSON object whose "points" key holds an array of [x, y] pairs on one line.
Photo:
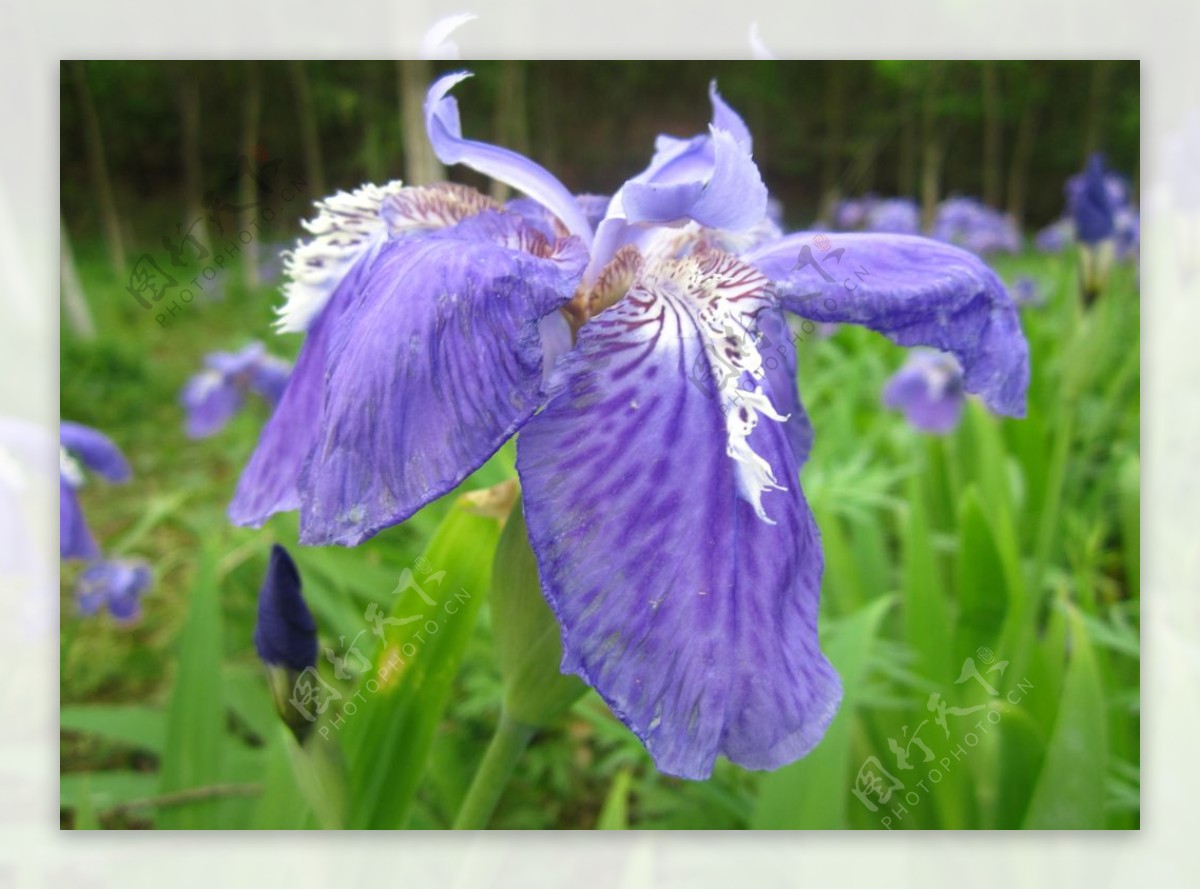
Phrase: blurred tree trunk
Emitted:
{"points": [[835, 121], [1022, 155], [993, 136], [511, 120], [79, 317], [94, 145], [931, 146], [1093, 140], [906, 180], [251, 151], [193, 167], [420, 163], [310, 141]]}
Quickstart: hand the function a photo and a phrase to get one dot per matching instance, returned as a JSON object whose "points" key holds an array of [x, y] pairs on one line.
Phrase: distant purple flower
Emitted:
{"points": [[851, 214], [1027, 292], [929, 390], [116, 585], [647, 362], [1055, 237], [82, 448], [213, 396], [1093, 198], [1127, 227], [970, 223], [285, 633], [896, 216]]}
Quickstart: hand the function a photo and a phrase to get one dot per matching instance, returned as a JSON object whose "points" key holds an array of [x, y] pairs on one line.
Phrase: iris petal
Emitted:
{"points": [[95, 449], [915, 291], [75, 539], [693, 617], [733, 197], [211, 400], [502, 164], [268, 483], [435, 364]]}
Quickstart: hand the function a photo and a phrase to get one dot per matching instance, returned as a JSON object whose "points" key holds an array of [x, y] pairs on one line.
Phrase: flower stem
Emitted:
{"points": [[503, 751]]}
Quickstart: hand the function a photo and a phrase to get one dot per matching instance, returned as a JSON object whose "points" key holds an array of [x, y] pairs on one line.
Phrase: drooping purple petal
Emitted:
{"points": [[502, 164], [917, 292], [285, 632], [268, 483], [928, 389], [95, 449], [75, 539], [434, 364], [673, 541], [779, 365]]}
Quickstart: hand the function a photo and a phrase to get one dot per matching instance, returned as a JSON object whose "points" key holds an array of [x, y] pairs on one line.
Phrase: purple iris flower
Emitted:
{"points": [[646, 360], [113, 584], [285, 633], [972, 224], [1027, 292], [1055, 237], [851, 214], [929, 390], [82, 447], [897, 216], [212, 397], [1092, 199]]}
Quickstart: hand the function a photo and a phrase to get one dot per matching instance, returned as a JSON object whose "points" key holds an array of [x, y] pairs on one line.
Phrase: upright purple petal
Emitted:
{"points": [[673, 541], [434, 364], [96, 450], [502, 164], [915, 291]]}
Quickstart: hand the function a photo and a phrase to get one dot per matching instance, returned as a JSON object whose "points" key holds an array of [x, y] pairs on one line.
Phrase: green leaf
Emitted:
{"points": [[982, 588], [196, 718], [134, 726], [614, 815], [1070, 790], [388, 737], [814, 792]]}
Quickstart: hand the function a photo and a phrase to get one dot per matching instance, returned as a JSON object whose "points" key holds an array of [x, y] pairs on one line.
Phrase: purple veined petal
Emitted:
{"points": [[434, 365], [928, 389], [690, 613], [537, 215], [210, 400], [268, 482], [75, 539], [502, 164], [95, 449], [917, 292], [733, 197]]}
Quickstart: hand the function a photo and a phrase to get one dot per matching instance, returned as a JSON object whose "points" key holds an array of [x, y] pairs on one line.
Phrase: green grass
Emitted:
{"points": [[1008, 541]]}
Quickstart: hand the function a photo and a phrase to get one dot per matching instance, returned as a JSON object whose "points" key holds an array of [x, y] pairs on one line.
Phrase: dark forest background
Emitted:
{"points": [[143, 143]]}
